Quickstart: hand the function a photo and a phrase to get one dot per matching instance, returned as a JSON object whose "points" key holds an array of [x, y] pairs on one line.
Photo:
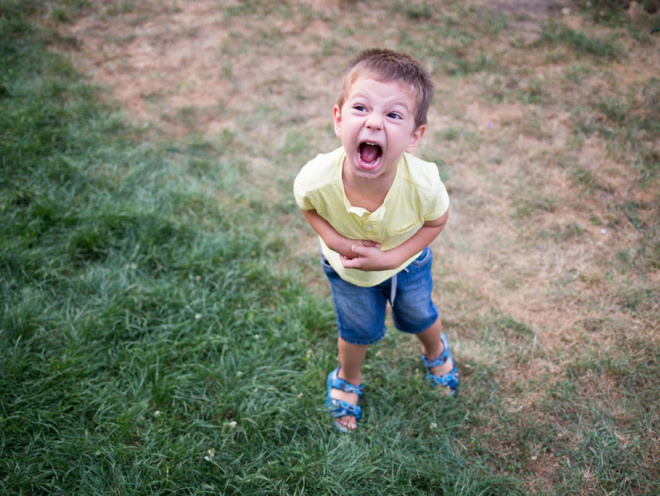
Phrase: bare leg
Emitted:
{"points": [[432, 347], [351, 357]]}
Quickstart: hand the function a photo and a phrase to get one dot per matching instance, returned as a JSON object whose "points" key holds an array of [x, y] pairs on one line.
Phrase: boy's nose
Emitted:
{"points": [[375, 122]]}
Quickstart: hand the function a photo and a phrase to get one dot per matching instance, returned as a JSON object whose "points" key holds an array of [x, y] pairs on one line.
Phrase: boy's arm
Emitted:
{"points": [[332, 238], [373, 258]]}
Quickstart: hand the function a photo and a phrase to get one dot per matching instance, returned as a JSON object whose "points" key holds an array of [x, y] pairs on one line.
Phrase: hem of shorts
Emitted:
{"points": [[421, 329], [362, 342]]}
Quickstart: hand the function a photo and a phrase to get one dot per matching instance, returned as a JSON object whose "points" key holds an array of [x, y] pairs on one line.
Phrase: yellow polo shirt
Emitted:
{"points": [[416, 196]]}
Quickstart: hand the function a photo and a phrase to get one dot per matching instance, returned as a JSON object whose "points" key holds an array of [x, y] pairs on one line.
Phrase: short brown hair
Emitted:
{"points": [[388, 65]]}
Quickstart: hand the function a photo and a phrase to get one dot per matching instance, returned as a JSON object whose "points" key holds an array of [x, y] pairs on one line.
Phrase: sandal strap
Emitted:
{"points": [[340, 408], [449, 380], [334, 381], [446, 354]]}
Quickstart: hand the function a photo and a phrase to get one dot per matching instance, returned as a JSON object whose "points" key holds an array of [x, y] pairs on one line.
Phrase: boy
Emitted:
{"points": [[376, 209]]}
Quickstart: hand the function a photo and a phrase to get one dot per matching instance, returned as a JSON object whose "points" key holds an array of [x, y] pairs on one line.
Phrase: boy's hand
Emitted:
{"points": [[355, 243], [367, 255]]}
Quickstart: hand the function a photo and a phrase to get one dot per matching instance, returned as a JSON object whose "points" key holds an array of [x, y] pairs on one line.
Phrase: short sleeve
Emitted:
{"points": [[438, 202], [317, 176], [300, 193], [304, 184]]}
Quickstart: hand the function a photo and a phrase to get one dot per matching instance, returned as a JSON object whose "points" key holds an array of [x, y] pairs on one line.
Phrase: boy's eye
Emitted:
{"points": [[361, 108], [394, 115]]}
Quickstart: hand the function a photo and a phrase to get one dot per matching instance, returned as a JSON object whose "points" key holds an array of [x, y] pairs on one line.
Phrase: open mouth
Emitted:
{"points": [[369, 154]]}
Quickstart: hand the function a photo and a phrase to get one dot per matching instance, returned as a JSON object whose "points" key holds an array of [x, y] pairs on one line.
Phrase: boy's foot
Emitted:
{"points": [[342, 402], [441, 370], [348, 421]]}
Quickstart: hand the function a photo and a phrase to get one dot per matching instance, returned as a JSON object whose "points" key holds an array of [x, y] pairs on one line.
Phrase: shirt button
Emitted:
{"points": [[369, 228]]}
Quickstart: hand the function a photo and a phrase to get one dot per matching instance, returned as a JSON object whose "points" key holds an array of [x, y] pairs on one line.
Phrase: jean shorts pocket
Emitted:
{"points": [[327, 268], [425, 257]]}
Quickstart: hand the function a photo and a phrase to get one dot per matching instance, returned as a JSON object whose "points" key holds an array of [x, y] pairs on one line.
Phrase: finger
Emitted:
{"points": [[351, 263], [372, 244], [360, 251]]}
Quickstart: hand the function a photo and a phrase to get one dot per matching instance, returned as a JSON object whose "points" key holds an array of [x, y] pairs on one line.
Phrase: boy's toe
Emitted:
{"points": [[346, 424]]}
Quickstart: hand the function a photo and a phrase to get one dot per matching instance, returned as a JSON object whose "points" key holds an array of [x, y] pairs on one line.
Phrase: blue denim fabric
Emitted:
{"points": [[361, 311]]}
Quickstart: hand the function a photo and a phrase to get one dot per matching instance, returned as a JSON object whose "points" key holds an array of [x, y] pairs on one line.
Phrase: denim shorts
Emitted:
{"points": [[361, 311]]}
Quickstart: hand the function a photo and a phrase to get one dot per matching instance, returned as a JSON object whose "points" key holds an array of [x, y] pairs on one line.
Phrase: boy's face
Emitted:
{"points": [[376, 125]]}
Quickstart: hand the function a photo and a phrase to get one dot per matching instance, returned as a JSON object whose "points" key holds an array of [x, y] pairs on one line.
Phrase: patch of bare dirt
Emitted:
{"points": [[526, 15], [209, 58], [194, 64]]}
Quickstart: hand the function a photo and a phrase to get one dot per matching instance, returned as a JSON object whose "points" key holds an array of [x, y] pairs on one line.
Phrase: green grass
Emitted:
{"points": [[157, 336], [149, 342], [601, 50]]}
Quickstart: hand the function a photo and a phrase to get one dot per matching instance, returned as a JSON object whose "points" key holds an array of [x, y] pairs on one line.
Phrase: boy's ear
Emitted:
{"points": [[336, 117], [415, 137]]}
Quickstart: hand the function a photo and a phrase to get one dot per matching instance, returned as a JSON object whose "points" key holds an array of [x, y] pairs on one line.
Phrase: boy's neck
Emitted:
{"points": [[367, 193]]}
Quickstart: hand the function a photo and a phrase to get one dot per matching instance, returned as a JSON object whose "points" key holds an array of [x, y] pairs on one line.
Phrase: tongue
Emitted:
{"points": [[369, 153]]}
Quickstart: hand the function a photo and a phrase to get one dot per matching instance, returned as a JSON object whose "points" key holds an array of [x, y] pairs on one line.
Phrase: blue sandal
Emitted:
{"points": [[448, 380], [339, 408]]}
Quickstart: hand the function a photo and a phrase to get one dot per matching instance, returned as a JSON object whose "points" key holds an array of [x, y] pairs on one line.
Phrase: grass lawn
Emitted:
{"points": [[165, 327]]}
